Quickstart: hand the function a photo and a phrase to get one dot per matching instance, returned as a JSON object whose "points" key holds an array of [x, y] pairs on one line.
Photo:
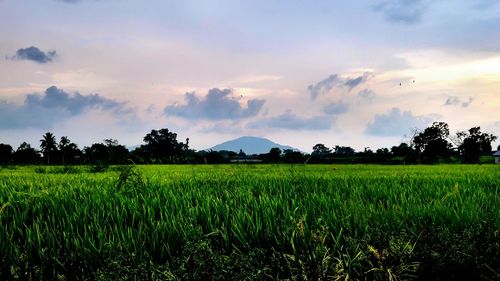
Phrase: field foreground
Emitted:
{"points": [[230, 222]]}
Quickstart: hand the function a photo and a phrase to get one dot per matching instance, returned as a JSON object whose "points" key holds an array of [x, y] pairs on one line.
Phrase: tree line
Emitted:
{"points": [[432, 145]]}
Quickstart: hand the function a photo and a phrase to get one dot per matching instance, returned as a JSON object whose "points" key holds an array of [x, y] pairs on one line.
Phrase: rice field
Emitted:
{"points": [[247, 222]]}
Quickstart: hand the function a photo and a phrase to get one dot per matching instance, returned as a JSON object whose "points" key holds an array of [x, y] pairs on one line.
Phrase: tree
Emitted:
{"points": [[242, 154], [162, 146], [109, 152], [474, 144], [432, 142], [321, 150], [274, 155], [404, 152], [117, 153], [96, 153], [5, 153], [320, 153], [69, 151], [343, 151], [48, 146], [63, 145], [382, 155], [25, 154], [291, 156]]}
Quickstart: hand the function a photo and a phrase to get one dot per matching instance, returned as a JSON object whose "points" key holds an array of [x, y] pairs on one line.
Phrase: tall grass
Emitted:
{"points": [[262, 221]]}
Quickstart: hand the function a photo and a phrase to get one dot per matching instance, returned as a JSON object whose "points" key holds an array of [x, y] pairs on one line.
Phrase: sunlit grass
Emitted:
{"points": [[315, 221]]}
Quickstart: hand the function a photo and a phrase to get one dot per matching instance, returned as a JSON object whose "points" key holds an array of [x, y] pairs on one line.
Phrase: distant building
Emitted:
{"points": [[497, 157]]}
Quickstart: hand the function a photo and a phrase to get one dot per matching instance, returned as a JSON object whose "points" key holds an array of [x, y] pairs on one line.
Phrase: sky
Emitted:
{"points": [[357, 73]]}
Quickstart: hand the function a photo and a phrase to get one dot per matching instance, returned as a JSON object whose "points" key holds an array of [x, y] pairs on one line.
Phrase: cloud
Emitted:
{"points": [[395, 123], [335, 108], [335, 81], [291, 121], [34, 54], [484, 4], [217, 105], [402, 11], [53, 106], [70, 1], [454, 100], [223, 127], [323, 86], [352, 83], [367, 95]]}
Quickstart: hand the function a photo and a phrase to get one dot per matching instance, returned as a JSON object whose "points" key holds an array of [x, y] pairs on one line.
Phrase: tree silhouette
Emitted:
{"points": [[344, 151], [433, 142], [474, 144], [291, 156], [162, 146], [321, 150], [242, 154], [117, 153], [25, 154], [63, 144], [274, 155], [69, 150], [48, 146], [5, 153], [404, 152], [320, 153], [109, 152]]}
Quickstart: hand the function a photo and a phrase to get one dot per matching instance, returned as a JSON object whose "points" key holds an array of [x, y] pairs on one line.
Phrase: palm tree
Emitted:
{"points": [[63, 146], [48, 145]]}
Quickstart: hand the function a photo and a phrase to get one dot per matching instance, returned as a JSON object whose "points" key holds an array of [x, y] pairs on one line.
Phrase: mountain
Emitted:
{"points": [[250, 145]]}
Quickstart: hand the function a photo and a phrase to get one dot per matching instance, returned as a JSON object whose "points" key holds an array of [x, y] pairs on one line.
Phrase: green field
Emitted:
{"points": [[301, 222]]}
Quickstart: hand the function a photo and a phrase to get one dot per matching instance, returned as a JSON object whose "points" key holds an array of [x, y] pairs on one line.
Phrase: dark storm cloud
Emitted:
{"points": [[402, 11], [34, 54], [291, 121], [53, 106], [217, 105], [454, 100], [395, 123], [335, 81], [336, 108]]}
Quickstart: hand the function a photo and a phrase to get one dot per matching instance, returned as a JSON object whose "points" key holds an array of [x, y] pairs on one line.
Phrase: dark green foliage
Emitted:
{"points": [[474, 143], [293, 157], [5, 154], [48, 146], [109, 152], [99, 167], [161, 147], [25, 154], [68, 153], [321, 154], [274, 155], [433, 143], [343, 151]]}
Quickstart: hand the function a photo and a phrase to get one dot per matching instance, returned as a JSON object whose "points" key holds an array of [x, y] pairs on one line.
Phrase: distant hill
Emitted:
{"points": [[250, 145]]}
